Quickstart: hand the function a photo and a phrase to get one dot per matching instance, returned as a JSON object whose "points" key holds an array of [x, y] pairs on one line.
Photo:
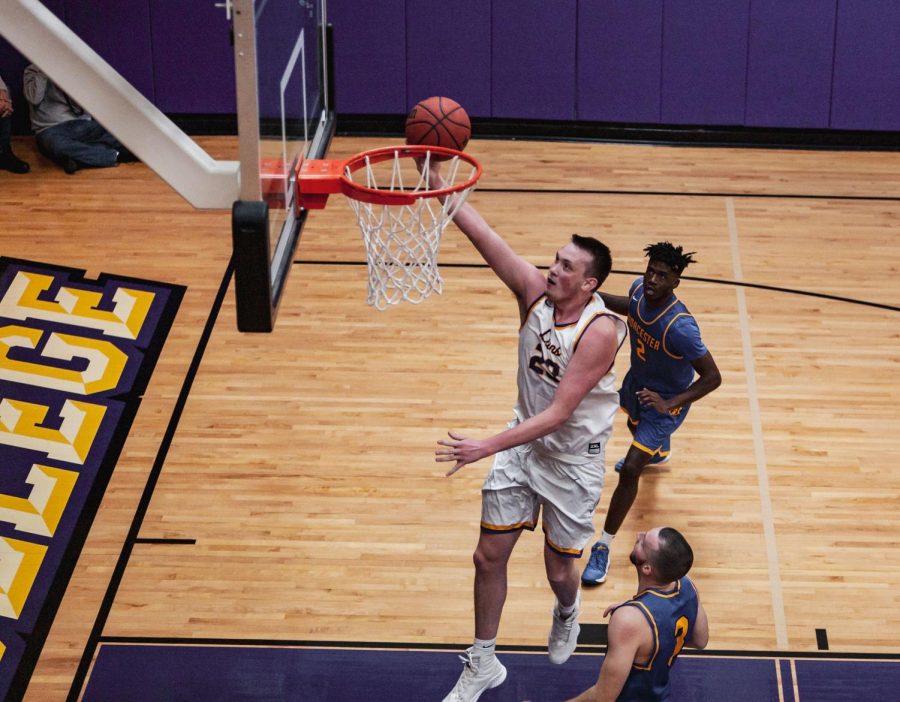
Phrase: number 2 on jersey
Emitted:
{"points": [[640, 350]]}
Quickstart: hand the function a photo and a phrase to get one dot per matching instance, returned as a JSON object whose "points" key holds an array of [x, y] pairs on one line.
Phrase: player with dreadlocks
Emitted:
{"points": [[666, 350]]}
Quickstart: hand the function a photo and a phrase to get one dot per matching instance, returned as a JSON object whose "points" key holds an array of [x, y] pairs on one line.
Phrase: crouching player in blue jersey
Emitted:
{"points": [[647, 632], [666, 351]]}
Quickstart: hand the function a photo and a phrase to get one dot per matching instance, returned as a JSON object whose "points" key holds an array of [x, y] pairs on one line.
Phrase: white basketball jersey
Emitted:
{"points": [[545, 349]]}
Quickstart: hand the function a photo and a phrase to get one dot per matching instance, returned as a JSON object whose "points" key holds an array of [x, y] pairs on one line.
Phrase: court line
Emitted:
{"points": [[423, 646], [714, 281], [176, 542], [794, 681], [759, 449], [140, 512], [679, 193], [778, 682]]}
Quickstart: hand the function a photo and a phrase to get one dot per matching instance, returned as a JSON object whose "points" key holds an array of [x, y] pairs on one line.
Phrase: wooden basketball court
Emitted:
{"points": [[281, 487]]}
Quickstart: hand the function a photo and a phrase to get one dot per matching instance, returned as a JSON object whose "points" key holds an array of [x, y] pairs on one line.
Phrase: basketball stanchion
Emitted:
{"points": [[400, 216]]}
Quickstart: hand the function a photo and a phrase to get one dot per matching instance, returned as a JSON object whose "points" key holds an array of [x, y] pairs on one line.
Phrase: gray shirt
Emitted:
{"points": [[47, 103]]}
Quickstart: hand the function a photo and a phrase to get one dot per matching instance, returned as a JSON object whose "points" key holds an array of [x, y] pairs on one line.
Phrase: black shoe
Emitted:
{"points": [[12, 163], [125, 156], [70, 166]]}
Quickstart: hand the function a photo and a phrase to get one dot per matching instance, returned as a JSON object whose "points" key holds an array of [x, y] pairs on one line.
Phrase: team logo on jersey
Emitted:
{"points": [[595, 448], [75, 358]]}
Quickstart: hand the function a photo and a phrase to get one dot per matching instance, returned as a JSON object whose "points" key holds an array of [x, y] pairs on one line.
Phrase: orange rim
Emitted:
{"points": [[332, 175]]}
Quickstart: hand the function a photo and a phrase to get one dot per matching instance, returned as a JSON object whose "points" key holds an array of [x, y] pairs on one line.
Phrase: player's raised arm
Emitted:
{"points": [[520, 276]]}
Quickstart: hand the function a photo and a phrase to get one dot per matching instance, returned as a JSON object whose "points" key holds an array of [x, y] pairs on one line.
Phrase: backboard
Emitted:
{"points": [[285, 114]]}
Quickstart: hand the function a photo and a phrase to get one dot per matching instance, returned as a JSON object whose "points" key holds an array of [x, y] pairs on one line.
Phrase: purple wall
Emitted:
{"points": [[127, 49], [448, 51], [533, 56], [789, 64], [761, 63], [619, 60], [866, 92], [370, 41], [704, 61], [192, 58]]}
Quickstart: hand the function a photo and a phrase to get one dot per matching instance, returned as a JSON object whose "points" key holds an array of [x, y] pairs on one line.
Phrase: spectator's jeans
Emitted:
{"points": [[84, 140]]}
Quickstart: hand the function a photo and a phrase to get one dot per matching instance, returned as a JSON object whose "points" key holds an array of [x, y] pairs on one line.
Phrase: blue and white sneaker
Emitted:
{"points": [[654, 461], [597, 566]]}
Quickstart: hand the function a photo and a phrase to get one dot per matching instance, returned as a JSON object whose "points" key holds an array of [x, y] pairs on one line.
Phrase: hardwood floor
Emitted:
{"points": [[299, 471]]}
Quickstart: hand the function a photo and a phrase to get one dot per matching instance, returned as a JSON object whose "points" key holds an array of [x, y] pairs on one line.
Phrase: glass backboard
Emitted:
{"points": [[282, 61]]}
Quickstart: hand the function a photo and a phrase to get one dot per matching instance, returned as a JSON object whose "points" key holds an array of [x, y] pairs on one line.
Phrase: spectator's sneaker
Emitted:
{"points": [[479, 674], [70, 166], [564, 634], [597, 566], [654, 461]]}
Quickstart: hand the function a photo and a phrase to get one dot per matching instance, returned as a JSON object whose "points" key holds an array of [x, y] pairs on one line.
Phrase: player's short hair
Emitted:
{"points": [[600, 254], [674, 558], [673, 256]]}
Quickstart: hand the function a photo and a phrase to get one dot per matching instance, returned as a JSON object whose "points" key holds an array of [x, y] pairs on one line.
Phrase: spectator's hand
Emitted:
{"points": [[6, 106]]}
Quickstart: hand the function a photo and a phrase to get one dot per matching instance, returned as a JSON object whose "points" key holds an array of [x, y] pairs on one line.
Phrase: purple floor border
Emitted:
{"points": [[176, 673]]}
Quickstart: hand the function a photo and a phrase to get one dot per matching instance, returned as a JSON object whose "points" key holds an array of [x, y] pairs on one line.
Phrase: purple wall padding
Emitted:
{"points": [[619, 60], [448, 51], [120, 33], [769, 63], [370, 56], [866, 92], [192, 59], [704, 61], [789, 63], [533, 59]]}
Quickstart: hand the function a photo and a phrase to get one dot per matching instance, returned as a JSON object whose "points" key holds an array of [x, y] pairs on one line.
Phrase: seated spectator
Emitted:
{"points": [[65, 133], [8, 160]]}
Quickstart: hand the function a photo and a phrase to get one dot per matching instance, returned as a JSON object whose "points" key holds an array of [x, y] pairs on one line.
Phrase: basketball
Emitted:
{"points": [[438, 121]]}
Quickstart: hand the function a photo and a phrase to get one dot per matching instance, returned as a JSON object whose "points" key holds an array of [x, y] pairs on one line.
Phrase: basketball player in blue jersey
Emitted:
{"points": [[647, 632], [666, 352], [549, 462]]}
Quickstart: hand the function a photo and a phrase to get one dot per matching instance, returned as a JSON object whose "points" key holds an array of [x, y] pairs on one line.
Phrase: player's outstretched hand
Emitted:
{"points": [[460, 449]]}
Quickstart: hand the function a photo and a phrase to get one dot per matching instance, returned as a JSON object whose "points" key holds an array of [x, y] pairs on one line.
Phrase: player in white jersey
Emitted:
{"points": [[550, 459]]}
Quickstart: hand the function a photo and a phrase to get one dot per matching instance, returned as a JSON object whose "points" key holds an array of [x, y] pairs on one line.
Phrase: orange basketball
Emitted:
{"points": [[438, 121]]}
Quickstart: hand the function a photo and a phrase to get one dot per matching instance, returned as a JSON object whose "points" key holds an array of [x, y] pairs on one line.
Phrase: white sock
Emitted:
{"points": [[484, 647], [607, 538], [565, 612]]}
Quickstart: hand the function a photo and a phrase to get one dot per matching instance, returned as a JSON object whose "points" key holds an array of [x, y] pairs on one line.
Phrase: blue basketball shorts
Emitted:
{"points": [[652, 429]]}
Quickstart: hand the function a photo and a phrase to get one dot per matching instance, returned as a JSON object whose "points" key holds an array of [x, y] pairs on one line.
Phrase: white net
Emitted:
{"points": [[402, 241]]}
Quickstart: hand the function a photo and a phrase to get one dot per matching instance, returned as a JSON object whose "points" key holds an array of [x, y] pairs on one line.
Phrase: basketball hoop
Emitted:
{"points": [[400, 217]]}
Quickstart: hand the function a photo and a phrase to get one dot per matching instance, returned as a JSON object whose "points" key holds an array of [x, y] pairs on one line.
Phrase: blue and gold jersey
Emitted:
{"points": [[671, 616], [664, 342]]}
